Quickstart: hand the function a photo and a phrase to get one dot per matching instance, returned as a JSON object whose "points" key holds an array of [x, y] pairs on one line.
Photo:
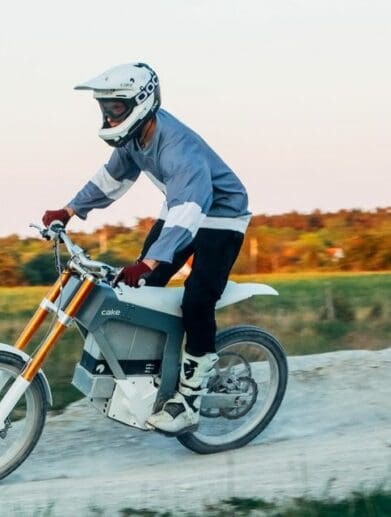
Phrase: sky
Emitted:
{"points": [[294, 95]]}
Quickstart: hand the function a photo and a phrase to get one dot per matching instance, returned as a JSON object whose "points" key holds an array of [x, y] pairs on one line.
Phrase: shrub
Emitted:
{"points": [[40, 270]]}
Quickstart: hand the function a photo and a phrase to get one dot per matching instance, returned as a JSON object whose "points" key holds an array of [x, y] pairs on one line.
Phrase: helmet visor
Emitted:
{"points": [[116, 110]]}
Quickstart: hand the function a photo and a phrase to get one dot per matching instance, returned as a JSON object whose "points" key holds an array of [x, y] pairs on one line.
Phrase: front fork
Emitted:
{"points": [[64, 319]]}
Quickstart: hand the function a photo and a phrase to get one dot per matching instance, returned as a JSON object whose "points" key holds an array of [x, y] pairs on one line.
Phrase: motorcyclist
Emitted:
{"points": [[205, 215]]}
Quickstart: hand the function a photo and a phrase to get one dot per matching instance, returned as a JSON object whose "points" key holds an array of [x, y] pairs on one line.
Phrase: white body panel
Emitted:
{"points": [[11, 349], [169, 299], [133, 400]]}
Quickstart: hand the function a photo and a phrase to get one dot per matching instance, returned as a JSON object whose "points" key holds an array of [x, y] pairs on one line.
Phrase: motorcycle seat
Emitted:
{"points": [[168, 299]]}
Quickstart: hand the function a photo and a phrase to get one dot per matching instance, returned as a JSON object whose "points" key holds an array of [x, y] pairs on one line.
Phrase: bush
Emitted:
{"points": [[337, 307], [377, 311], [40, 270], [9, 269], [111, 258], [343, 309]]}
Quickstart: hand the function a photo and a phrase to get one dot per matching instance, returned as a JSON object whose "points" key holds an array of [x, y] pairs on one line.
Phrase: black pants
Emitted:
{"points": [[215, 252]]}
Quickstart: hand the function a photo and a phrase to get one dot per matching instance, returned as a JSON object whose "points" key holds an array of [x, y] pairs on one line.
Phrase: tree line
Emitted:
{"points": [[347, 240]]}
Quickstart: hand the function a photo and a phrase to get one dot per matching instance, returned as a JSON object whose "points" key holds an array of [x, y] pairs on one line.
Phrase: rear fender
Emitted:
{"points": [[234, 292], [12, 350]]}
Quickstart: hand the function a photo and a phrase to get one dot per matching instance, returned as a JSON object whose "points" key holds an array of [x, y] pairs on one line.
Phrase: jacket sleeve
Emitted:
{"points": [[109, 184], [189, 194]]}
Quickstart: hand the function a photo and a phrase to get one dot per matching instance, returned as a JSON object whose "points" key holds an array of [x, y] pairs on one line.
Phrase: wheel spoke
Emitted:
{"points": [[25, 422], [251, 369]]}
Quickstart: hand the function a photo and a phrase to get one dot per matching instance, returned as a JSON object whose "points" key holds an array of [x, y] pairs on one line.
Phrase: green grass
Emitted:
{"points": [[66, 353], [19, 301], [374, 504], [299, 317]]}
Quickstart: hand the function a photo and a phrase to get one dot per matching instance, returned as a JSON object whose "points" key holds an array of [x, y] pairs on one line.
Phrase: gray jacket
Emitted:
{"points": [[201, 190]]}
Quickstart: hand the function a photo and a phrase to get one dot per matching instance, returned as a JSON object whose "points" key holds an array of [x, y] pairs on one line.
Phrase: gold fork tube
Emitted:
{"points": [[34, 365], [40, 314]]}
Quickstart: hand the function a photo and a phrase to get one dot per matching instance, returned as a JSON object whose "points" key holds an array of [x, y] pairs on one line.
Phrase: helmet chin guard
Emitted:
{"points": [[133, 83]]}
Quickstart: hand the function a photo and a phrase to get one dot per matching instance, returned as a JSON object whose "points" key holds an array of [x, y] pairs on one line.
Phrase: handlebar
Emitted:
{"points": [[79, 261]]}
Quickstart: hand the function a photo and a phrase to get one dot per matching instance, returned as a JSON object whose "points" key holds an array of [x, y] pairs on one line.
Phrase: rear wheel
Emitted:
{"points": [[25, 423], [252, 365]]}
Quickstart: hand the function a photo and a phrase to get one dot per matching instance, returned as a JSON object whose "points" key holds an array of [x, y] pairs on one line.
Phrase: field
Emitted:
{"points": [[314, 313], [317, 313]]}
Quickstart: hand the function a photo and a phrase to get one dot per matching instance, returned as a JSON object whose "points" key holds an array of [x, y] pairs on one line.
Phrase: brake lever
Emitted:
{"points": [[52, 232], [42, 231], [114, 281], [36, 226]]}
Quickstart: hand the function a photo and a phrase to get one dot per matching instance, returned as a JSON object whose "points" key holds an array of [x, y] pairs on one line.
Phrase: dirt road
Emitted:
{"points": [[332, 436]]}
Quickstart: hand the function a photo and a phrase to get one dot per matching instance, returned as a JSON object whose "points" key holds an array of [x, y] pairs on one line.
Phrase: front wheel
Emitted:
{"points": [[24, 425], [252, 365]]}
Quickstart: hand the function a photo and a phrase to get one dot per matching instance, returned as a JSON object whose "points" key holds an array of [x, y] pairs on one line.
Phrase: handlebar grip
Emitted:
{"points": [[56, 225], [53, 231]]}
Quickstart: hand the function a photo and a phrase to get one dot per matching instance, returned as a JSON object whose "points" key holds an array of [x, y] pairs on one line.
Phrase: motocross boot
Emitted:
{"points": [[181, 413]]}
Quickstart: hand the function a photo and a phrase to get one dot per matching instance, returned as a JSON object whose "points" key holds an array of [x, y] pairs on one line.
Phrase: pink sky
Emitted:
{"points": [[293, 94]]}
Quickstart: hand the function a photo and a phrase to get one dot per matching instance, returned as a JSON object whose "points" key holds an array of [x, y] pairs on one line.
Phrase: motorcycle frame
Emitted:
{"points": [[67, 298]]}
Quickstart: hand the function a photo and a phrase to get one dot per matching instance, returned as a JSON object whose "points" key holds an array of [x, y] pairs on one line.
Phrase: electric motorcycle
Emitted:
{"points": [[131, 359]]}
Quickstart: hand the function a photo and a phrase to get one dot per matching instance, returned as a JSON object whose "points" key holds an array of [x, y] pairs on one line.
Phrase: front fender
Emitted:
{"points": [[11, 349]]}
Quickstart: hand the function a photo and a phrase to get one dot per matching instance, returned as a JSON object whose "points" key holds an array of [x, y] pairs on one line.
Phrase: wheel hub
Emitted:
{"points": [[245, 401], [233, 376]]}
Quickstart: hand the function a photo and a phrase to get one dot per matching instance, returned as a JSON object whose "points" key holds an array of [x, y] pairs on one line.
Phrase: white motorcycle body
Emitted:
{"points": [[169, 300], [122, 357], [129, 368]]}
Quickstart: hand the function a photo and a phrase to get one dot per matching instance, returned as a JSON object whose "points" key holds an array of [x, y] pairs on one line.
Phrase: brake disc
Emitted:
{"points": [[226, 378], [248, 393]]}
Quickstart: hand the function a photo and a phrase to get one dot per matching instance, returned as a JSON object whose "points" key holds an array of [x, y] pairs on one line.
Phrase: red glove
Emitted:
{"points": [[61, 215], [131, 275]]}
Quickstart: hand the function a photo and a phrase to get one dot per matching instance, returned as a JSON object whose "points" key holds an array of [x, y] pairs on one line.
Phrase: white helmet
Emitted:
{"points": [[128, 95]]}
